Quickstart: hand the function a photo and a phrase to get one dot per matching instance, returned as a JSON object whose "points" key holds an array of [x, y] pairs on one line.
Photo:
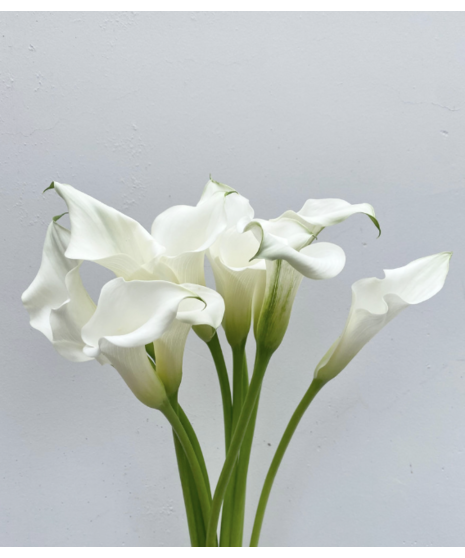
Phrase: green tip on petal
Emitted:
{"points": [[51, 187], [224, 185], [55, 219], [376, 223]]}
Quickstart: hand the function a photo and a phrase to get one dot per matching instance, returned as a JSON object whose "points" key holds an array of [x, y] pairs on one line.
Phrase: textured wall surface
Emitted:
{"points": [[137, 109]]}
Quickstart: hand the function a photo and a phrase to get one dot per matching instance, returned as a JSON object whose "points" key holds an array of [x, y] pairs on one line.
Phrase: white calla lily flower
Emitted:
{"points": [[315, 215], [290, 236], [287, 245], [238, 278], [204, 314], [57, 303], [129, 315], [103, 235], [375, 302], [186, 232], [48, 290], [133, 314], [286, 239]]}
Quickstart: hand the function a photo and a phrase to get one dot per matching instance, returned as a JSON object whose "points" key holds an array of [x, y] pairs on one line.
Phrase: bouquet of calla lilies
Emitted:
{"points": [[143, 316]]}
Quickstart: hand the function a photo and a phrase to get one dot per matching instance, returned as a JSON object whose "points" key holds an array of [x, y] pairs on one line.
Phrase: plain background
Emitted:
{"points": [[137, 109]]}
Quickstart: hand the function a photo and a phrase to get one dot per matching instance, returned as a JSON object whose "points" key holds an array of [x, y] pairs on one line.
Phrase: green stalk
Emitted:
{"points": [[218, 358], [237, 530], [196, 445], [185, 476], [191, 500], [227, 517], [261, 362], [314, 388], [196, 470]]}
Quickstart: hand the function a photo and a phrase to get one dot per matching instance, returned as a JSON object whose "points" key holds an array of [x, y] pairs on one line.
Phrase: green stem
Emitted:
{"points": [[261, 362], [237, 530], [202, 491], [227, 517], [191, 500], [314, 388], [184, 474], [196, 445], [218, 358]]}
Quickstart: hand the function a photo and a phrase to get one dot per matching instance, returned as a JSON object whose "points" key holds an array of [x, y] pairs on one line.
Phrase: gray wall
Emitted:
{"points": [[137, 110]]}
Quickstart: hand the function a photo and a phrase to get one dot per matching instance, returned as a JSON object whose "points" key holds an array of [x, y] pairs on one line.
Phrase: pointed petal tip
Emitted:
{"points": [[51, 187], [57, 217], [421, 279], [376, 223], [375, 302], [445, 257]]}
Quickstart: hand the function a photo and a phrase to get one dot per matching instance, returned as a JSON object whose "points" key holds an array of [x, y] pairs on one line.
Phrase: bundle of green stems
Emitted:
{"points": [[240, 406]]}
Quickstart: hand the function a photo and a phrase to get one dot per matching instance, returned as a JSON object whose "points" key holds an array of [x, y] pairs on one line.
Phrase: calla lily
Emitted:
{"points": [[375, 302], [238, 278], [315, 215], [129, 315], [143, 316], [186, 232], [287, 239], [103, 235], [286, 244], [132, 314], [56, 300], [204, 314]]}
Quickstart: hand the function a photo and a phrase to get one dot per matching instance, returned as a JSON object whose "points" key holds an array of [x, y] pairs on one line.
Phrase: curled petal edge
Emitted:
{"points": [[375, 302]]}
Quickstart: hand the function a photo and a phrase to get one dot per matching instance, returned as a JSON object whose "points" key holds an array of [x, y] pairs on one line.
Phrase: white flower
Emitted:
{"points": [[315, 215], [239, 279], [286, 243], [56, 300], [375, 302], [133, 314], [105, 236], [129, 314], [186, 232]]}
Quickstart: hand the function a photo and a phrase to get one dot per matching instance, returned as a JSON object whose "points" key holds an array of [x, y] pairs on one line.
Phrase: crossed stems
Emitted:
{"points": [[240, 411]]}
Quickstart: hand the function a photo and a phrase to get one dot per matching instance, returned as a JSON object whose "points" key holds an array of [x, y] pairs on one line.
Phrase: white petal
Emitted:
{"points": [[205, 315], [375, 302], [212, 187], [208, 309], [169, 354], [57, 301], [236, 278], [49, 290], [317, 214], [133, 313], [322, 260], [237, 250], [188, 267], [67, 320], [184, 228], [102, 234], [283, 231], [137, 371], [237, 207], [281, 240]]}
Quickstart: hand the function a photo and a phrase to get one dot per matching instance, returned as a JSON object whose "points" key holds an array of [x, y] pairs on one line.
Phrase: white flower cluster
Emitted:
{"points": [[143, 316]]}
